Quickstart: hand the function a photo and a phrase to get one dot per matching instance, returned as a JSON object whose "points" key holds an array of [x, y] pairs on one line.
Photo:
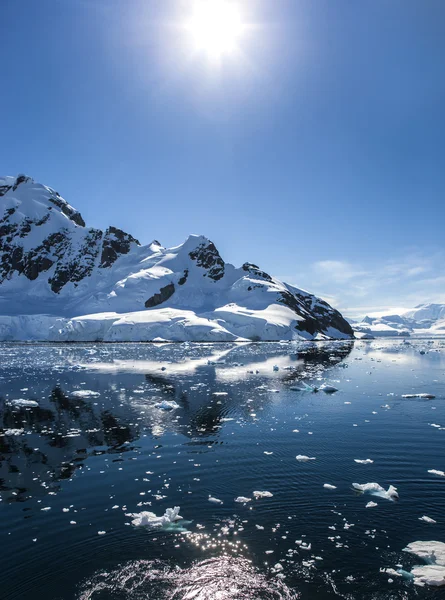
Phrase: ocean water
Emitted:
{"points": [[94, 447]]}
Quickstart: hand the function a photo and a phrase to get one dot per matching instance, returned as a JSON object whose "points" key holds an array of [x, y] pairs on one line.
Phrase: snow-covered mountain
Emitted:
{"points": [[424, 319], [62, 280]]}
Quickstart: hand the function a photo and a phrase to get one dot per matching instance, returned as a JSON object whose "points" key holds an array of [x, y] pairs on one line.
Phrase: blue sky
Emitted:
{"points": [[316, 151]]}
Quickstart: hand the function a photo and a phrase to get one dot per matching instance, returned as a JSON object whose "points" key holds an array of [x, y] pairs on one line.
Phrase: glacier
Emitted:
{"points": [[62, 281]]}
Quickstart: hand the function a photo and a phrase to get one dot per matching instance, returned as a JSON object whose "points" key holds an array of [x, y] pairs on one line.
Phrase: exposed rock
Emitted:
{"points": [[164, 294], [207, 257], [115, 243]]}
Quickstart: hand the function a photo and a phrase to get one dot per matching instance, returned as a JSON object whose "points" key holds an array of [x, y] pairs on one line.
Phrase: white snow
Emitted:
{"points": [[211, 300]]}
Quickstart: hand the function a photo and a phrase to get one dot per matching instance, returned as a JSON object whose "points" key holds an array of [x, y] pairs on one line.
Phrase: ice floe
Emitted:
{"points": [[215, 500], [377, 490], [167, 405], [22, 403], [169, 519], [364, 461], [427, 519], [243, 499], [304, 458], [424, 396], [436, 472], [371, 504], [84, 394], [433, 553], [258, 495], [328, 486], [328, 389]]}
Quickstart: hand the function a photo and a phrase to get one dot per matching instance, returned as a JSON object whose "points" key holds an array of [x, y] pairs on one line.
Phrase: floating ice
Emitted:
{"points": [[167, 405], [371, 504], [84, 394], [21, 402], [304, 387], [433, 553], [258, 495], [243, 499], [304, 458], [169, 519], [328, 486], [365, 461], [424, 396], [376, 490], [13, 432], [215, 500], [427, 519], [436, 472]]}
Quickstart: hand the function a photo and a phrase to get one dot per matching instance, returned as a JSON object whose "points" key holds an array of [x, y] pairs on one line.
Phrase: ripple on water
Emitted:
{"points": [[222, 578]]}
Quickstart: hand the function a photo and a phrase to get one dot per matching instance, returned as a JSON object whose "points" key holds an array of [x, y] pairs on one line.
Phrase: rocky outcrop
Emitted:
{"points": [[115, 243], [207, 257], [163, 295]]}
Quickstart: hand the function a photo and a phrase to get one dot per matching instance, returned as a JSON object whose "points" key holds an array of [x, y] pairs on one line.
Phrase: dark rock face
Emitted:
{"points": [[207, 257], [184, 277], [164, 294], [317, 315], [71, 213], [256, 272], [115, 243]]}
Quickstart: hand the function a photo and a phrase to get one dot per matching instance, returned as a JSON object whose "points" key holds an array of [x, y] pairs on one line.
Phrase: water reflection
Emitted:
{"points": [[43, 445]]}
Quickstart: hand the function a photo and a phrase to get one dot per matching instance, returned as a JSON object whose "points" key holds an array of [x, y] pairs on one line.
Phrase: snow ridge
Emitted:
{"points": [[85, 284]]}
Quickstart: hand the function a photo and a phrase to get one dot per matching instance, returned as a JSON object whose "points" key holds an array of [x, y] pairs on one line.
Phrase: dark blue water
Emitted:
{"points": [[74, 466]]}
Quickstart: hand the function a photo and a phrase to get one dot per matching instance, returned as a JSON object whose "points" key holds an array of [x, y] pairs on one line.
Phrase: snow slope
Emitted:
{"points": [[61, 280], [424, 319]]}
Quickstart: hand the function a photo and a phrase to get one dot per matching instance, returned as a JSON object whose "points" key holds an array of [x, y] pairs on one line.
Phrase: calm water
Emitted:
{"points": [[76, 465]]}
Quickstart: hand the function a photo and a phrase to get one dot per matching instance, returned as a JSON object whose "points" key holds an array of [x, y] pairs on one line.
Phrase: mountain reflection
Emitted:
{"points": [[44, 444]]}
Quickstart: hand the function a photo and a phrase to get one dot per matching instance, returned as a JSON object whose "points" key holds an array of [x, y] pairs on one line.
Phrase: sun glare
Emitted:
{"points": [[215, 27]]}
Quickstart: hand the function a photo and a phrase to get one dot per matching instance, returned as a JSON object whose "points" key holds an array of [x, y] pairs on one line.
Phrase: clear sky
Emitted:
{"points": [[314, 148]]}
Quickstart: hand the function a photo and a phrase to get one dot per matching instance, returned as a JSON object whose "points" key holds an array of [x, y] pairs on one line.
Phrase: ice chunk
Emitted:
{"points": [[376, 490], [84, 394], [424, 396], [427, 519], [258, 495], [371, 504], [304, 458], [304, 387], [365, 461], [21, 402], [328, 486], [145, 518], [243, 499], [433, 553], [215, 500], [167, 405], [436, 472], [13, 432]]}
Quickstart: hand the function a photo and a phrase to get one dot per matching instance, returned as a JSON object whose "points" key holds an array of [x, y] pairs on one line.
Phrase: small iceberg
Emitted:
{"points": [[258, 495], [371, 504], [328, 486], [85, 394], [167, 405], [304, 458], [376, 490], [215, 500], [436, 472], [22, 403], [433, 553], [365, 461], [168, 521], [243, 499], [424, 396], [427, 519]]}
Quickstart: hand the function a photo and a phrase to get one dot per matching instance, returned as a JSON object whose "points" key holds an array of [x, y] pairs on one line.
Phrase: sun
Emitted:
{"points": [[215, 27]]}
